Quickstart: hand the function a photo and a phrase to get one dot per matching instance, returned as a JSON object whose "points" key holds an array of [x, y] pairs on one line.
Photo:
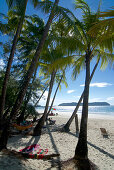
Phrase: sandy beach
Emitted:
{"points": [[100, 150]]}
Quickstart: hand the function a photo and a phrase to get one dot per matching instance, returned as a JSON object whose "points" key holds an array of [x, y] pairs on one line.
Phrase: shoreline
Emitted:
{"points": [[90, 116]]}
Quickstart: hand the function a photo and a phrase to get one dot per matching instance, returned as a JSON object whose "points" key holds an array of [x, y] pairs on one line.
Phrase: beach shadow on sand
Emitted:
{"points": [[96, 147], [17, 141], [11, 162], [54, 162]]}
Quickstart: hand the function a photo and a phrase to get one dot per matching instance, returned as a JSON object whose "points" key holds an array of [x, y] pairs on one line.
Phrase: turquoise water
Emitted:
{"points": [[102, 110], [68, 110]]}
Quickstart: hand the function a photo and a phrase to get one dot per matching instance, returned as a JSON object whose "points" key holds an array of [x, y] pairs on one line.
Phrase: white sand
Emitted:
{"points": [[100, 150]]}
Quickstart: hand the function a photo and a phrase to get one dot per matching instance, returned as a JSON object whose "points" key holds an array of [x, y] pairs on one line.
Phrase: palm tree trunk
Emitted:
{"points": [[54, 97], [4, 88], [76, 123], [81, 151], [21, 117], [67, 125], [40, 96], [30, 71], [4, 135], [7, 74], [38, 127]]}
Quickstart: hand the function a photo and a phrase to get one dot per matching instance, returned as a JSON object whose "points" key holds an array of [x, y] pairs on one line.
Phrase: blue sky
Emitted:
{"points": [[102, 85]]}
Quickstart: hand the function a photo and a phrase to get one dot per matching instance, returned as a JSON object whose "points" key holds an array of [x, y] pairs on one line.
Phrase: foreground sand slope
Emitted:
{"points": [[101, 150]]}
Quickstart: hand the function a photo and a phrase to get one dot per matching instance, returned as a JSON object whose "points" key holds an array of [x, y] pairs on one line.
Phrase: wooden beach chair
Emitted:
{"points": [[104, 132]]}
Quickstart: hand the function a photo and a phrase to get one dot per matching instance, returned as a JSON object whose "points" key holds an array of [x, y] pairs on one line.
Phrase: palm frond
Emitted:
{"points": [[78, 66], [81, 4], [109, 13]]}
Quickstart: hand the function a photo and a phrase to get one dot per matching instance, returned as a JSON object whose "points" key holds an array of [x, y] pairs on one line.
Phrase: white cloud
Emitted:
{"points": [[103, 84], [110, 98], [70, 91]]}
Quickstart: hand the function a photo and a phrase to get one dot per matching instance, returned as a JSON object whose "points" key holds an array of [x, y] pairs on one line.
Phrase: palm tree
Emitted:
{"points": [[38, 127], [16, 107], [54, 96], [104, 26], [21, 117], [67, 125], [33, 63], [91, 45], [21, 7], [54, 56]]}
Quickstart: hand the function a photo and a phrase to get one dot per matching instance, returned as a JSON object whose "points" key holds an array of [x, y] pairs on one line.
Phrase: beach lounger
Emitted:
{"points": [[51, 122], [104, 132]]}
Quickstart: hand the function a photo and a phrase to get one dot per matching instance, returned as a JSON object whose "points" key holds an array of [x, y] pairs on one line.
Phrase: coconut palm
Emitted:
{"points": [[27, 78], [91, 45], [36, 58], [54, 96], [67, 125], [54, 55], [104, 26], [21, 9], [21, 6]]}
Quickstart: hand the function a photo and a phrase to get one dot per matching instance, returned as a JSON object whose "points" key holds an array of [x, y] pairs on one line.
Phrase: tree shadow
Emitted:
{"points": [[8, 161], [96, 147], [35, 138], [57, 161]]}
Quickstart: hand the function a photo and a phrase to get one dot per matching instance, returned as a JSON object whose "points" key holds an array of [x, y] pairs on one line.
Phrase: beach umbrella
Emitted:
{"points": [[53, 109]]}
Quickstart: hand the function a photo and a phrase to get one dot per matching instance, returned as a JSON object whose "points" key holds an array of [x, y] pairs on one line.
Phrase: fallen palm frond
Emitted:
{"points": [[22, 156]]}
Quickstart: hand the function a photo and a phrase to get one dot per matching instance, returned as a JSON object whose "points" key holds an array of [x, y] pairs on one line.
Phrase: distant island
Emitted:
{"points": [[90, 104]]}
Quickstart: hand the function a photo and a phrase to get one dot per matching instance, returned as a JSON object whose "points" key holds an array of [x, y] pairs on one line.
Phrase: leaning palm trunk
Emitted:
{"points": [[4, 88], [40, 96], [4, 135], [35, 59], [81, 151], [67, 125], [30, 71], [21, 117], [38, 127], [10, 60], [54, 97]]}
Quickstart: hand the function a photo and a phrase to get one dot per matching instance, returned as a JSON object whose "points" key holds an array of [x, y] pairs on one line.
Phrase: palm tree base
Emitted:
{"points": [[65, 129], [4, 137], [38, 128], [78, 164], [81, 151]]}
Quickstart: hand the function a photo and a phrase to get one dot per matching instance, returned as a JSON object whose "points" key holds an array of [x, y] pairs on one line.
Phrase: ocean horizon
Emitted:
{"points": [[94, 111]]}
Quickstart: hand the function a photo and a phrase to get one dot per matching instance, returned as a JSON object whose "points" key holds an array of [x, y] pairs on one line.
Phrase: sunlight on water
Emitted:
{"points": [[94, 111]]}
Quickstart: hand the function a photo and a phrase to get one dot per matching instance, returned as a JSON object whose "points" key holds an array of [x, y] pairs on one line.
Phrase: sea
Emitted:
{"points": [[93, 112]]}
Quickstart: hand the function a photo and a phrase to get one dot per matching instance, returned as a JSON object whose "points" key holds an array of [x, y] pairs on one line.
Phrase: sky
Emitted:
{"points": [[102, 84]]}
